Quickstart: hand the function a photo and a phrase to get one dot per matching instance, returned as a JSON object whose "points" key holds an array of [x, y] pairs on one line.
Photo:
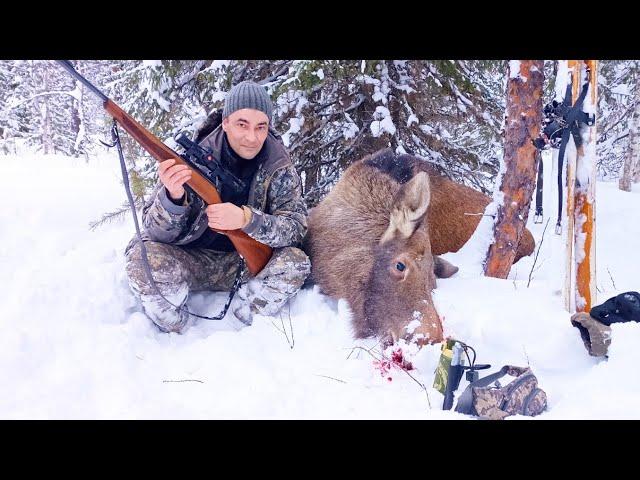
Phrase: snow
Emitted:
{"points": [[562, 80], [349, 130], [74, 343], [295, 123], [514, 70], [382, 122], [412, 119], [621, 89]]}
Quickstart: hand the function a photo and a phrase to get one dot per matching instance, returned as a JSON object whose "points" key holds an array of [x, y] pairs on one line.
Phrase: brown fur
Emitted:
{"points": [[358, 234], [450, 224]]}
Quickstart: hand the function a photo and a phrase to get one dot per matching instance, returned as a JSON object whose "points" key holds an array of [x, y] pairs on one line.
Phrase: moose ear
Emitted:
{"points": [[409, 208], [442, 268]]}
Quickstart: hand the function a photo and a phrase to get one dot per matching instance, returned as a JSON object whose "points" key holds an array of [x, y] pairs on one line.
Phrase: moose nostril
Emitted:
{"points": [[400, 266]]}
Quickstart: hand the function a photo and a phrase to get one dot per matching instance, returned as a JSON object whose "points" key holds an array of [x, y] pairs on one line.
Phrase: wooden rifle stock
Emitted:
{"points": [[255, 254]]}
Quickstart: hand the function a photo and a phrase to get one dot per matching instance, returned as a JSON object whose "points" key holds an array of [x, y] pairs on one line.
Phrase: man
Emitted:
{"points": [[186, 255]]}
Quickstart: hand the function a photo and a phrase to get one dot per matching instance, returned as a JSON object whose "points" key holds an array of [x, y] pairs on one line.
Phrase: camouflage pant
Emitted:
{"points": [[178, 271]]}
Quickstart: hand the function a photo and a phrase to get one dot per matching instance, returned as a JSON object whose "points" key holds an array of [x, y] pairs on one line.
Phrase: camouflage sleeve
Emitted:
{"points": [[284, 223], [163, 220]]}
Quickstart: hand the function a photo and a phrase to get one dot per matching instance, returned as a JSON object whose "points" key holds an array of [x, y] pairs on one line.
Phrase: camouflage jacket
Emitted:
{"points": [[279, 214]]}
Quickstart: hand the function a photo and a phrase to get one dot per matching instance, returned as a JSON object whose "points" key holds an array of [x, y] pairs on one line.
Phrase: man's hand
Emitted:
{"points": [[173, 177], [226, 216]]}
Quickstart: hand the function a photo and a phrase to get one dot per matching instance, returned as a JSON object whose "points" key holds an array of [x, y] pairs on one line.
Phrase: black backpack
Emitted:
{"points": [[621, 308]]}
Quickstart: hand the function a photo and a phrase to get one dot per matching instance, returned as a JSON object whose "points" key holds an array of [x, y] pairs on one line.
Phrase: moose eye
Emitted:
{"points": [[400, 266]]}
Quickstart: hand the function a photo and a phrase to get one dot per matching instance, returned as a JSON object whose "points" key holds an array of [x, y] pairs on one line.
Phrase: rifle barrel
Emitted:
{"points": [[255, 254], [66, 64]]}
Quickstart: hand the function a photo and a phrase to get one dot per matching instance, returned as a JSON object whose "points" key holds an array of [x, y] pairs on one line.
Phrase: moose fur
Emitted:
{"points": [[374, 240]]}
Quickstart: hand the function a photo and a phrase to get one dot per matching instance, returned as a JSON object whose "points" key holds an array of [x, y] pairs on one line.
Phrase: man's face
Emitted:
{"points": [[246, 131]]}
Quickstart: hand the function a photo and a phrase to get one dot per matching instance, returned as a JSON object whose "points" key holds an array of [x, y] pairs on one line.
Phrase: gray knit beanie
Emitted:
{"points": [[247, 95]]}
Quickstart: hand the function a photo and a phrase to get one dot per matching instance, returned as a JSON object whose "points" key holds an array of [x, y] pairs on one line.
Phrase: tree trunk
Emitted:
{"points": [[76, 121], [45, 113], [631, 167], [523, 118], [636, 173]]}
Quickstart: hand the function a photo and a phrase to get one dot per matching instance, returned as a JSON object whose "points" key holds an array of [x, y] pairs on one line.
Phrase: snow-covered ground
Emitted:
{"points": [[74, 344]]}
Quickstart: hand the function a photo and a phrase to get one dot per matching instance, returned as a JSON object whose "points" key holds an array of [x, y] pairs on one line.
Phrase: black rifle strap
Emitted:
{"points": [[143, 250], [563, 146], [465, 402], [573, 118], [539, 185]]}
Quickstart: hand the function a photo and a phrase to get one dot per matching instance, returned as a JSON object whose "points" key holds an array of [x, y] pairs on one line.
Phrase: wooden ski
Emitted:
{"points": [[580, 275], [585, 198]]}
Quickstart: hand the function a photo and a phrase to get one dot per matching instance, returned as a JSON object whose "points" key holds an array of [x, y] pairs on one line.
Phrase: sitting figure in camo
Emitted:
{"points": [[186, 255]]}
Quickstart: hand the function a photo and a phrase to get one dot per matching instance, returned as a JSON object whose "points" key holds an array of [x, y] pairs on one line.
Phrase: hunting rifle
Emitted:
{"points": [[255, 254]]}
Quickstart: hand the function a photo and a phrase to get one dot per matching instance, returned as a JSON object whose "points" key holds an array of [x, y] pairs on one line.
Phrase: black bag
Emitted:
{"points": [[621, 308]]}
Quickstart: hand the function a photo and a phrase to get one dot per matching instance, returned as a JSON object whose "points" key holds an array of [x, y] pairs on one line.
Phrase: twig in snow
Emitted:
{"points": [[283, 329], [277, 327], [538, 251], [366, 350], [405, 371], [181, 381], [358, 347], [611, 277], [325, 376], [421, 385], [293, 341], [539, 266], [526, 356]]}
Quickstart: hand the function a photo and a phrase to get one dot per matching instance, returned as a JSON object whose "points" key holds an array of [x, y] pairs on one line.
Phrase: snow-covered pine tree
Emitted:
{"points": [[14, 122], [617, 85], [334, 112], [331, 113], [18, 115], [43, 109]]}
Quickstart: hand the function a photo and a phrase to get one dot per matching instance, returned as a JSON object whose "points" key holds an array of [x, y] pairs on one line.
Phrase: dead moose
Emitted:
{"points": [[374, 240]]}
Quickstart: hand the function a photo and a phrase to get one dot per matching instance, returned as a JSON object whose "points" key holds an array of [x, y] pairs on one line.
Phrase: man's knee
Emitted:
{"points": [[288, 263], [166, 269], [278, 282]]}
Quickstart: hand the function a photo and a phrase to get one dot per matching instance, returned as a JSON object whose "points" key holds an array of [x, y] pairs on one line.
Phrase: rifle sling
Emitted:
{"points": [[143, 249]]}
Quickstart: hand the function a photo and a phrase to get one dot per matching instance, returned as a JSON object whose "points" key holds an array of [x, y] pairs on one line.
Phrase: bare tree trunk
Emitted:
{"points": [[45, 115], [523, 117], [636, 173], [631, 167], [77, 120]]}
